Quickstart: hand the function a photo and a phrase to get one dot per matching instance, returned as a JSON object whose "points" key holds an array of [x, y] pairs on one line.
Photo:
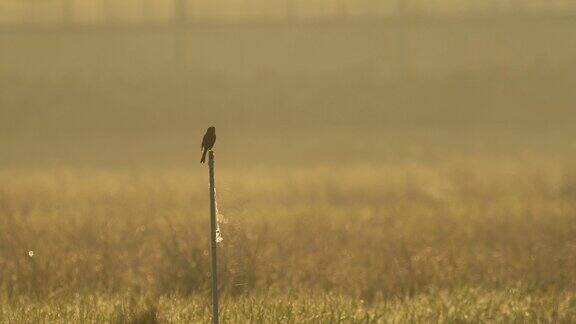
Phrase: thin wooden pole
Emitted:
{"points": [[213, 227]]}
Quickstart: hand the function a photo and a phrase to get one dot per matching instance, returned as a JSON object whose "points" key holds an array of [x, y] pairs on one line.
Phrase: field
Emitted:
{"points": [[367, 172], [461, 240]]}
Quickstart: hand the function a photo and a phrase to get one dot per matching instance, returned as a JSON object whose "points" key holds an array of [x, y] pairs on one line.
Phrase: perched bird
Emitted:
{"points": [[208, 142]]}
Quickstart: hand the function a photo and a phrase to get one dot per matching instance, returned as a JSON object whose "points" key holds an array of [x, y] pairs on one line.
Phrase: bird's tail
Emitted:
{"points": [[203, 156]]}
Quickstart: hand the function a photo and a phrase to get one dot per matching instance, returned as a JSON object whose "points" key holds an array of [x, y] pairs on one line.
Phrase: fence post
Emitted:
{"points": [[213, 227]]}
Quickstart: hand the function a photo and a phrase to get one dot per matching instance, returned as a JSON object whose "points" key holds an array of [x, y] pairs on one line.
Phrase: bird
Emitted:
{"points": [[208, 142]]}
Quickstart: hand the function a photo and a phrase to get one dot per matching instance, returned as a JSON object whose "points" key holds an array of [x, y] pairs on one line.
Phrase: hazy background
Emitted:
{"points": [[399, 161], [137, 82]]}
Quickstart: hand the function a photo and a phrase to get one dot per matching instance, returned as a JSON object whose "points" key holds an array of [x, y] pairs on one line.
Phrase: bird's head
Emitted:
{"points": [[211, 129]]}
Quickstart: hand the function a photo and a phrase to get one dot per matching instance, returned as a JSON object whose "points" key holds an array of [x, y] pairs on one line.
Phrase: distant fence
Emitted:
{"points": [[18, 12]]}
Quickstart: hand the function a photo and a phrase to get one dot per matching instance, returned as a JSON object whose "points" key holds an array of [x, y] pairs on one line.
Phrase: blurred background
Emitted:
{"points": [[416, 153], [103, 82]]}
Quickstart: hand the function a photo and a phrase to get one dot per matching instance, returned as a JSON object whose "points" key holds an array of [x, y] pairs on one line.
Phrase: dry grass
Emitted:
{"points": [[460, 306], [458, 240], [341, 195]]}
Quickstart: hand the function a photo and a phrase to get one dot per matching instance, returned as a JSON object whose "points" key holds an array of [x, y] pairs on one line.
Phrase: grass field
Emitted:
{"points": [[454, 240], [367, 172]]}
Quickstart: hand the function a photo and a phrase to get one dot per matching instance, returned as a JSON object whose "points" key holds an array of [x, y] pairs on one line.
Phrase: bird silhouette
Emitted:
{"points": [[208, 142]]}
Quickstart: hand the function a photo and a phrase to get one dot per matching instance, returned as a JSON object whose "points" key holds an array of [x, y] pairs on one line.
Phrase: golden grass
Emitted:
{"points": [[459, 306], [380, 239]]}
